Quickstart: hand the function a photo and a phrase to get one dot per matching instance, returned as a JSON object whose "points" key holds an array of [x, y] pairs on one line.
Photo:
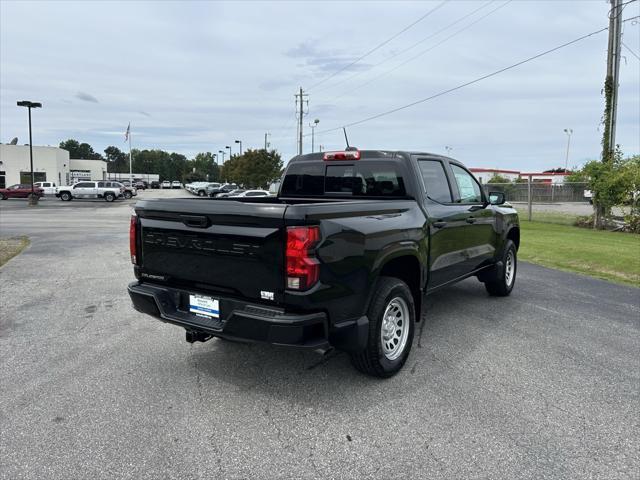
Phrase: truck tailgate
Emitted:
{"points": [[235, 248]]}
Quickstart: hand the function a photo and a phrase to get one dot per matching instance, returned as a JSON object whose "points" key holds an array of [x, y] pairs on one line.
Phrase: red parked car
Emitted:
{"points": [[20, 190]]}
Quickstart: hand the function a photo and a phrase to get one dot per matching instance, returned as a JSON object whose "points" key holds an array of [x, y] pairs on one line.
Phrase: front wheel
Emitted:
{"points": [[3, 196], [506, 275], [65, 196], [392, 314], [202, 193], [128, 195]]}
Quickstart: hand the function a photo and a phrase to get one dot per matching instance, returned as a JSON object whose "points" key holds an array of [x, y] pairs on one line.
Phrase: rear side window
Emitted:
{"points": [[435, 180], [375, 179], [370, 179], [304, 179]]}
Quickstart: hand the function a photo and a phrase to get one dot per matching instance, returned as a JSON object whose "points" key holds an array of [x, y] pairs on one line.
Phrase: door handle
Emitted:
{"points": [[195, 221], [439, 224], [471, 220]]}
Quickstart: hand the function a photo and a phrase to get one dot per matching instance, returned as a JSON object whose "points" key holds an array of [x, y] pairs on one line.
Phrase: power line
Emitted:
{"points": [[632, 52], [428, 37], [380, 45], [479, 79], [395, 68]]}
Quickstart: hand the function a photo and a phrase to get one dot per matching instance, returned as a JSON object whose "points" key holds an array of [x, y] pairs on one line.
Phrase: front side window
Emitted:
{"points": [[468, 187], [435, 180]]}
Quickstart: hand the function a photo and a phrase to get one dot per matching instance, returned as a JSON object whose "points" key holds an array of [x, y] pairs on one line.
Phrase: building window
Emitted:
{"points": [[25, 177], [3, 179]]}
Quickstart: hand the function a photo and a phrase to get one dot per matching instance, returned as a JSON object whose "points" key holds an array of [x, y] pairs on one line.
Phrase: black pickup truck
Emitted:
{"points": [[341, 258]]}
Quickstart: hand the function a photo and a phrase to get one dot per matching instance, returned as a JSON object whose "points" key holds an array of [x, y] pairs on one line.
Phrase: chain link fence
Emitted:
{"points": [[547, 202]]}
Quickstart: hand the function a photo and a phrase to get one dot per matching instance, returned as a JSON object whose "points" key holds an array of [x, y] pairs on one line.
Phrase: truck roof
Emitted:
{"points": [[370, 154]]}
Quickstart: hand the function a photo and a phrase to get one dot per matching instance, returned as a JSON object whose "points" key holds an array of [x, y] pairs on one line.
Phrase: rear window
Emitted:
{"points": [[361, 179]]}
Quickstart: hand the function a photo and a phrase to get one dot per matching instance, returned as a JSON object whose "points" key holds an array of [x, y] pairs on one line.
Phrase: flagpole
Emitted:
{"points": [[130, 174]]}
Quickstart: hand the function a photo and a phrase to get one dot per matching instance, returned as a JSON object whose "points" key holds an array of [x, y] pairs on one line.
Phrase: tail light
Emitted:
{"points": [[302, 267], [346, 155], [133, 238]]}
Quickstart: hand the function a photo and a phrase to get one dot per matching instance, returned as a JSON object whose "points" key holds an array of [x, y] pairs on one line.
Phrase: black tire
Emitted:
{"points": [[66, 197], [3, 196], [109, 197], [505, 277], [202, 193], [376, 359], [127, 195]]}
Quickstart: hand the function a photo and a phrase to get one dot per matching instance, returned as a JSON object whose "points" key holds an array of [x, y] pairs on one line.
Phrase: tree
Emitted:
{"points": [[117, 160], [255, 168], [205, 167], [612, 183], [498, 179], [80, 150]]}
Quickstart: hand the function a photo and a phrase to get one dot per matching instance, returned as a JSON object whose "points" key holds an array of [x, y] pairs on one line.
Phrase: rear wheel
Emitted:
{"points": [[202, 193], [65, 196], [127, 195], [391, 315], [506, 275], [3, 196], [109, 197]]}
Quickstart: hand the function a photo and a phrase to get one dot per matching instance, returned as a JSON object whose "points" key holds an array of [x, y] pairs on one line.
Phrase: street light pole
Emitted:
{"points": [[230, 154], [223, 154], [313, 129], [33, 200], [568, 131], [240, 142]]}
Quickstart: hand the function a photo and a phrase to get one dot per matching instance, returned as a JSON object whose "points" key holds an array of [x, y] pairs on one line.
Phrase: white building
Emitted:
{"points": [[485, 174], [88, 170], [50, 164]]}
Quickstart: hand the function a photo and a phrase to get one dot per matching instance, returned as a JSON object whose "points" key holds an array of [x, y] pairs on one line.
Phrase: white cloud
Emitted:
{"points": [[193, 76]]}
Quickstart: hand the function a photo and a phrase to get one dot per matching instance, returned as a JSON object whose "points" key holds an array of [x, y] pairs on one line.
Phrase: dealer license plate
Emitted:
{"points": [[204, 306]]}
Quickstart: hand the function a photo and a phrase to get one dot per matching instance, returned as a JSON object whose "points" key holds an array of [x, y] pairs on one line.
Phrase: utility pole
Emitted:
{"points": [[300, 100], [266, 143], [610, 97], [612, 79]]}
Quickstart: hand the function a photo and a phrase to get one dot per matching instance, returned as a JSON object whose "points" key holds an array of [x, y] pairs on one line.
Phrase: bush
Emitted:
{"points": [[632, 223]]}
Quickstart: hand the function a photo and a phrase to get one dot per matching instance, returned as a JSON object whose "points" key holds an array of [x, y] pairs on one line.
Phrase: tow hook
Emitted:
{"points": [[192, 336]]}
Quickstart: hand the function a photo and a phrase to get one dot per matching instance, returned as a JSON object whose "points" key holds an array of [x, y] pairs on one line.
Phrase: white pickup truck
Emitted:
{"points": [[48, 187], [107, 190]]}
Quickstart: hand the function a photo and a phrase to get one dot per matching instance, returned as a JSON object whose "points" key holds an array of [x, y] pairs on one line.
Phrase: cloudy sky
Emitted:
{"points": [[195, 76]]}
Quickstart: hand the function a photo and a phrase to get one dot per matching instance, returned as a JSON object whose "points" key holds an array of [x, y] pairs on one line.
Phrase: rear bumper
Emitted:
{"points": [[238, 319]]}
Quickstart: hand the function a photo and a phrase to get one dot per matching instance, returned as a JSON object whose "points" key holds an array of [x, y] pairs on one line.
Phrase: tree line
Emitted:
{"points": [[254, 168]]}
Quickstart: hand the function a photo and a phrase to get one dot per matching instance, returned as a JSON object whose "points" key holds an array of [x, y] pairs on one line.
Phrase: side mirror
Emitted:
{"points": [[496, 198]]}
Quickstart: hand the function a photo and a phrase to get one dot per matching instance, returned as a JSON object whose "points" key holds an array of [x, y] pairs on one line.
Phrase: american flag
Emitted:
{"points": [[126, 134]]}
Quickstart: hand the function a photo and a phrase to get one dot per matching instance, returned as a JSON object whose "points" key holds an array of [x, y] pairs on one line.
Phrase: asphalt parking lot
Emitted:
{"points": [[542, 384]]}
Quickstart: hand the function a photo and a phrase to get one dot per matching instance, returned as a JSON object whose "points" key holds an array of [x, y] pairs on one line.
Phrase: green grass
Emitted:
{"points": [[612, 256], [550, 217], [10, 247]]}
